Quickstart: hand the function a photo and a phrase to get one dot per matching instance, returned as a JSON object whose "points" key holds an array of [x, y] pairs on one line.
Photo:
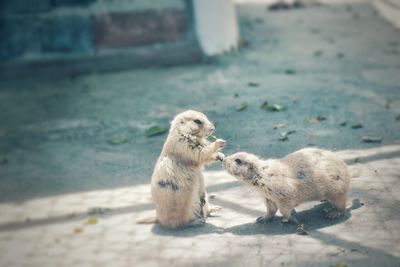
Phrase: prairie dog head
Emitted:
{"points": [[193, 123], [243, 166]]}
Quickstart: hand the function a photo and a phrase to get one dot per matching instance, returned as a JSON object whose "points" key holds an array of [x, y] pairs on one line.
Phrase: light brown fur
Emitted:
{"points": [[177, 184], [305, 175]]}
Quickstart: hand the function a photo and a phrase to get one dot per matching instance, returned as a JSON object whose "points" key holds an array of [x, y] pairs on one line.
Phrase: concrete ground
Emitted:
{"points": [[68, 145]]}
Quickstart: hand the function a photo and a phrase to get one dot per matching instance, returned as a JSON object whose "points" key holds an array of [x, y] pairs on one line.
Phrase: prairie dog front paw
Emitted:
{"points": [[219, 156], [219, 144]]}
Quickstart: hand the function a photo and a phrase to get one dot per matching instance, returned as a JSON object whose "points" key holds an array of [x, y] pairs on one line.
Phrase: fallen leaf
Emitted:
{"points": [[78, 230], [273, 107], [290, 72], [241, 106], [279, 126], [253, 84], [317, 119], [283, 136], [343, 123], [357, 126], [90, 220], [155, 130], [300, 230], [371, 139], [97, 210], [118, 140]]}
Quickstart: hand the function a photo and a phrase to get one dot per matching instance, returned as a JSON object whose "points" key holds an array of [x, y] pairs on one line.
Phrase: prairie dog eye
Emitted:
{"points": [[198, 122], [238, 161]]}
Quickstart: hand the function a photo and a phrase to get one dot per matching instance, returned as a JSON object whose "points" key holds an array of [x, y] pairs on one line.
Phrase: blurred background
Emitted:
{"points": [[87, 90]]}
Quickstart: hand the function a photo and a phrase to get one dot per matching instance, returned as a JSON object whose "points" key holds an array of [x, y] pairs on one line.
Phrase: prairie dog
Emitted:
{"points": [[306, 175], [177, 184]]}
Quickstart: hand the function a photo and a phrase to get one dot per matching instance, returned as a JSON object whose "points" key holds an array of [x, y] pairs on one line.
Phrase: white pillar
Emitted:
{"points": [[216, 25]]}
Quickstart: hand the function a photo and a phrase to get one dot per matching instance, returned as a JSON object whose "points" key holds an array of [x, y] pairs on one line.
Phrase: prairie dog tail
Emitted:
{"points": [[355, 172], [148, 220]]}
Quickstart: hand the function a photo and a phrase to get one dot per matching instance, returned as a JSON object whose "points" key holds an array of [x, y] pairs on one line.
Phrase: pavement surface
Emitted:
{"points": [[75, 164]]}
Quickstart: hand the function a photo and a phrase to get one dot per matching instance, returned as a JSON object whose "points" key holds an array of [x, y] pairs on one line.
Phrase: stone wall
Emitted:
{"points": [[40, 31]]}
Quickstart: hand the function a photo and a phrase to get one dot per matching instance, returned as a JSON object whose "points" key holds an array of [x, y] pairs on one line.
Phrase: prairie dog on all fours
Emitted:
{"points": [[177, 184], [306, 175]]}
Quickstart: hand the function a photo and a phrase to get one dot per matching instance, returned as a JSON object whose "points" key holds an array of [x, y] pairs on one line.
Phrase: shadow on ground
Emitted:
{"points": [[313, 219]]}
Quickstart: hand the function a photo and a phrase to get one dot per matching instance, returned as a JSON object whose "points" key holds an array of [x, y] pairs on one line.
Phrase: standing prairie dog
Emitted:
{"points": [[305, 175], [177, 184]]}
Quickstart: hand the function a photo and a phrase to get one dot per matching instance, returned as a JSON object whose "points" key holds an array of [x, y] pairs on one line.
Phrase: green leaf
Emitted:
{"points": [[283, 136], [371, 139], [290, 72], [357, 126], [155, 130], [241, 107], [253, 84], [90, 220], [212, 138], [119, 140], [272, 107]]}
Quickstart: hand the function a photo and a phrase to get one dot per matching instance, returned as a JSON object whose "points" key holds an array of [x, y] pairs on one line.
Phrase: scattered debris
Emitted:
{"points": [[279, 126], [259, 20], [357, 160], [241, 106], [356, 16], [118, 140], [398, 117], [310, 144], [344, 123], [236, 95], [340, 55], [90, 220], [340, 265], [155, 130], [318, 53], [283, 136], [371, 139], [253, 84], [78, 230], [300, 230], [393, 43], [97, 210], [317, 119], [295, 99], [357, 126], [331, 40], [4, 161], [272, 107], [290, 72]]}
